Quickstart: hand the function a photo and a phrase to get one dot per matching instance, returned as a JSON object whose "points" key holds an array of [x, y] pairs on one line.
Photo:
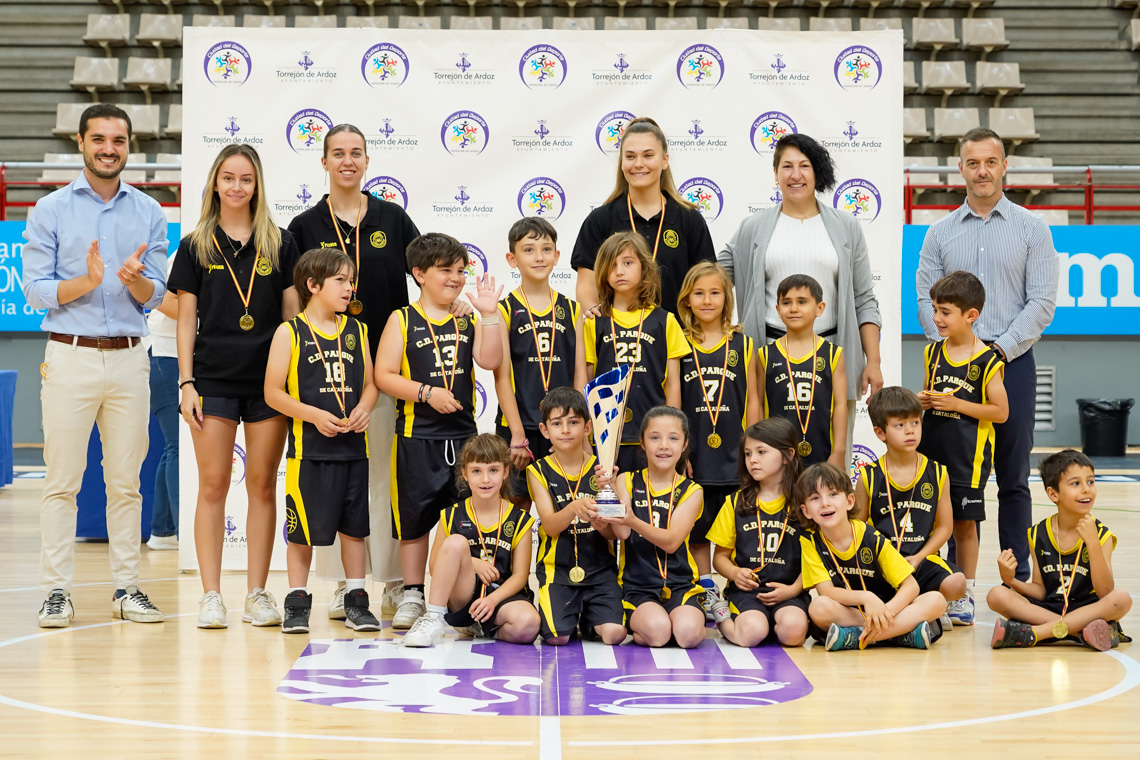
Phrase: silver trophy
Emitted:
{"points": [[605, 398]]}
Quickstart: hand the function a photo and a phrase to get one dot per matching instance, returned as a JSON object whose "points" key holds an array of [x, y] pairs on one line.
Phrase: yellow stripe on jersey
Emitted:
{"points": [[409, 407], [292, 386], [544, 607], [293, 489], [394, 485]]}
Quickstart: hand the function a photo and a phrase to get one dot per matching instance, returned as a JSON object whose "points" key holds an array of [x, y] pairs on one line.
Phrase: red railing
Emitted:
{"points": [[49, 185], [1088, 188]]}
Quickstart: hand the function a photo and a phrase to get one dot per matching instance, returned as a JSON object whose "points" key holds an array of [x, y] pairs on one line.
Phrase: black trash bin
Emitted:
{"points": [[1104, 425]]}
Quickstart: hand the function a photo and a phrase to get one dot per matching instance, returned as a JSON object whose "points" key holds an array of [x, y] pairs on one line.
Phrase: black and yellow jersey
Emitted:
{"points": [[446, 359], [870, 558], [543, 342], [915, 503], [718, 376], [964, 444], [579, 545], [788, 381], [641, 561], [741, 532], [515, 526], [316, 371], [617, 340], [1057, 564]]}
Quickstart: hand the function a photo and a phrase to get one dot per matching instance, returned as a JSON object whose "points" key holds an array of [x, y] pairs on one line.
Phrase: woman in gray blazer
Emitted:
{"points": [[802, 236]]}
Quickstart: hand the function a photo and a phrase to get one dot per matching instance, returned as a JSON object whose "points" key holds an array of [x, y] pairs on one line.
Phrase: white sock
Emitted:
{"points": [[354, 583], [411, 595], [302, 589], [436, 609], [969, 583]]}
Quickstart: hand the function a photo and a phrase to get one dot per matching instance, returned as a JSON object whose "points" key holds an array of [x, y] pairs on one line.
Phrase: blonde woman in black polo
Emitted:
{"points": [[234, 279]]}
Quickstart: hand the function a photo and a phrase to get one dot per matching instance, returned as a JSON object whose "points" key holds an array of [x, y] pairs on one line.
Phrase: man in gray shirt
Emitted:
{"points": [[1011, 251]]}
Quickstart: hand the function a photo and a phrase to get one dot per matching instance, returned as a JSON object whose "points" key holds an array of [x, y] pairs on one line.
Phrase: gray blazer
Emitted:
{"points": [[743, 257]]}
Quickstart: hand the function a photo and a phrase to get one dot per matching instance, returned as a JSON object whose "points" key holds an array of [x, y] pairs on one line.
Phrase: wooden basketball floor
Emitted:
{"points": [[105, 688]]}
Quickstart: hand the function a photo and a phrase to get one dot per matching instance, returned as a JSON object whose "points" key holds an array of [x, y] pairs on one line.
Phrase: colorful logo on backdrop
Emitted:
{"points": [[228, 63], [705, 195], [388, 189], [768, 128], [307, 129], [543, 66], [543, 197], [476, 261], [385, 65], [237, 473], [464, 132], [481, 677], [700, 67], [859, 198], [861, 456], [609, 131], [858, 68]]}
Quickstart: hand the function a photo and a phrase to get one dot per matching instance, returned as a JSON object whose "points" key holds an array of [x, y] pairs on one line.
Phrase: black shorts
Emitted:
{"points": [[679, 595], [1055, 605], [239, 409], [539, 447], [714, 500], [968, 503], [630, 457], [931, 572], [563, 610], [461, 618], [325, 498], [740, 602], [423, 483]]}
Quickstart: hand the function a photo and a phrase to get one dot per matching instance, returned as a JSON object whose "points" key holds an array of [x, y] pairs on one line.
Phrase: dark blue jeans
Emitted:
{"points": [[164, 404], [1013, 444]]}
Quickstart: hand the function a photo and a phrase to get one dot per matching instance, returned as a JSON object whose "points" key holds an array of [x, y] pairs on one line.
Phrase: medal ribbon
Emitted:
{"points": [[662, 566], [934, 370], [723, 381], [760, 536], [792, 384], [342, 396], [1066, 590], [245, 299], [839, 570], [482, 547], [573, 496], [448, 384], [891, 500], [660, 225], [545, 369], [356, 245]]}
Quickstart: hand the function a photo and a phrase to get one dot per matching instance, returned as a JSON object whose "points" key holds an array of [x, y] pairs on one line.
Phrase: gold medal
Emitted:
{"points": [[246, 322], [714, 440], [1060, 629], [344, 421], [577, 574], [666, 594], [803, 448], [628, 415], [355, 307]]}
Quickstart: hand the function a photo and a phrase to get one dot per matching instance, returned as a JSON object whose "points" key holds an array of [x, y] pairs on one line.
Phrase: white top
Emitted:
{"points": [[802, 247], [163, 329]]}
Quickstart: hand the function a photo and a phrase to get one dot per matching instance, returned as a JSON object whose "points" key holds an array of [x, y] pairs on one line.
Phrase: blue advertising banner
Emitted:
{"points": [[15, 314], [1096, 292]]}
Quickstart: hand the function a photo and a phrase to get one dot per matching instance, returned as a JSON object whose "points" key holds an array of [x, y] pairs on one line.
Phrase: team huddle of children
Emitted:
{"points": [[722, 444]]}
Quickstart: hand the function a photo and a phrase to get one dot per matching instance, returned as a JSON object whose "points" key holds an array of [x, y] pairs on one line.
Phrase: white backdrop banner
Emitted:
{"points": [[470, 130]]}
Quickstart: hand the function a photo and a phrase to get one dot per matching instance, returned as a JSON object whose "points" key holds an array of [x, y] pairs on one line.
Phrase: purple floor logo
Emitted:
{"points": [[228, 63], [384, 65], [700, 66], [768, 128], [543, 66], [858, 68], [609, 131], [464, 132], [859, 198], [388, 189], [465, 677], [543, 197], [705, 195]]}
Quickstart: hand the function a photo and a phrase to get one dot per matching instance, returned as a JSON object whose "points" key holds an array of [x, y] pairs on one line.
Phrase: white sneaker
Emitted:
{"points": [[56, 611], [427, 631], [409, 610], [261, 608], [336, 606], [134, 606], [393, 596], [211, 611], [163, 543]]}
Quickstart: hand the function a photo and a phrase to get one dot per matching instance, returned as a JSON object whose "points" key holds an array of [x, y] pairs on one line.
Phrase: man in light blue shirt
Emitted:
{"points": [[95, 259], [1011, 251]]}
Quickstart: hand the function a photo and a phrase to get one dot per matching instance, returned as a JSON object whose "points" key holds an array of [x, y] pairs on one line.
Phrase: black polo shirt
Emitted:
{"points": [[230, 361], [385, 232], [690, 238]]}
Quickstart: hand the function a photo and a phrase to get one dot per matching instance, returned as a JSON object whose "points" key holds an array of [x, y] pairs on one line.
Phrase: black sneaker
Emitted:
{"points": [[1010, 633], [356, 614], [298, 604], [1120, 634]]}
